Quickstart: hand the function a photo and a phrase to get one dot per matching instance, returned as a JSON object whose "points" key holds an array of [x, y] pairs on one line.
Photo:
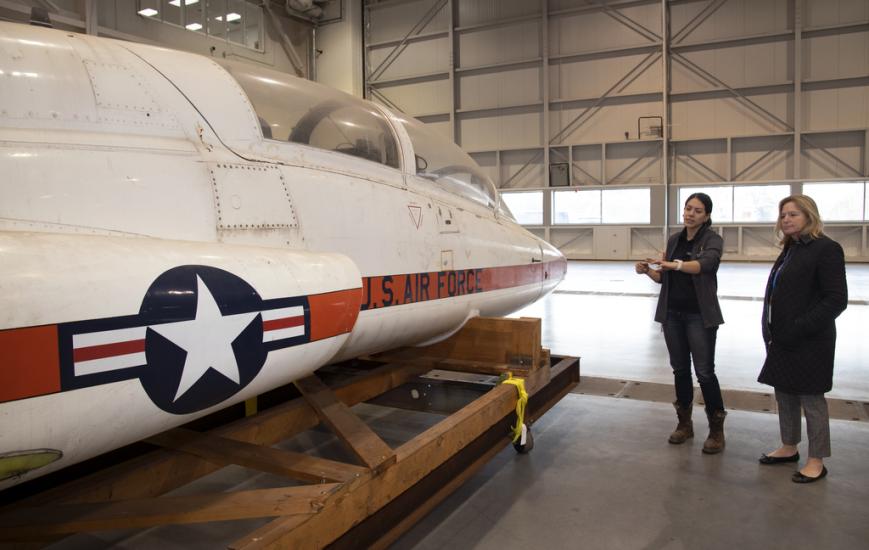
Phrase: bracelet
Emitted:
{"points": [[678, 265]]}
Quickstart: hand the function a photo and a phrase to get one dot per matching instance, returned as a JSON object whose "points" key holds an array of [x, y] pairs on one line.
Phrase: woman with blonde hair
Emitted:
{"points": [[805, 293]]}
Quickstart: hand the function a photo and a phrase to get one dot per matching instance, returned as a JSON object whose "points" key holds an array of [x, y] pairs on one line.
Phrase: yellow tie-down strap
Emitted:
{"points": [[520, 403]]}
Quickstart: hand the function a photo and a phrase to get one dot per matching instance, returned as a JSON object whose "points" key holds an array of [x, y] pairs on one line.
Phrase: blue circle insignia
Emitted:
{"points": [[204, 341]]}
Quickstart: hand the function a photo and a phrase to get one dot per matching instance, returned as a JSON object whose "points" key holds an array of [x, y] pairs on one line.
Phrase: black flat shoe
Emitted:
{"points": [[800, 478], [764, 459]]}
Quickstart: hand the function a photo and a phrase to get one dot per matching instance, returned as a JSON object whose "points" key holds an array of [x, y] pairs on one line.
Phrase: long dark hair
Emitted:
{"points": [[707, 204]]}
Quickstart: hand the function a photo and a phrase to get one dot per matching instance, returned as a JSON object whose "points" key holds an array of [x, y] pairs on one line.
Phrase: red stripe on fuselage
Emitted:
{"points": [[29, 362], [408, 288], [286, 322], [334, 313], [108, 350]]}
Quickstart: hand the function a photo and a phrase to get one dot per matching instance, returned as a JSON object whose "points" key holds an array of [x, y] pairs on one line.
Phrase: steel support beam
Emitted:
{"points": [[91, 17], [596, 181], [612, 11], [496, 23], [454, 89], [637, 160], [698, 20], [865, 165], [711, 77], [598, 7], [640, 68], [401, 46], [857, 172], [534, 158], [665, 113], [759, 160], [380, 96], [699, 166], [544, 86], [798, 86], [286, 43], [572, 164], [603, 176]]}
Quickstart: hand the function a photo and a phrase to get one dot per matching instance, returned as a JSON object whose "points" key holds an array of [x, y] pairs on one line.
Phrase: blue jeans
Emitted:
{"points": [[688, 339]]}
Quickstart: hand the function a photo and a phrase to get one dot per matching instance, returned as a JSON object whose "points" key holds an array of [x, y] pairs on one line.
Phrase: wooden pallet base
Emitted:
{"points": [[328, 503]]}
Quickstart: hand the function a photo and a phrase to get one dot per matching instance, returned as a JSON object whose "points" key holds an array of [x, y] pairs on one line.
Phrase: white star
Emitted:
{"points": [[207, 339]]}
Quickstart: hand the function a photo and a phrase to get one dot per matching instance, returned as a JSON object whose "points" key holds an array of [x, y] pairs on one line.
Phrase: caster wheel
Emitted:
{"points": [[529, 444]]}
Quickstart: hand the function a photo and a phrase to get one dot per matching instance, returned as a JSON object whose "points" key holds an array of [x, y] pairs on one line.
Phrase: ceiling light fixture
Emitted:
{"points": [[231, 16]]}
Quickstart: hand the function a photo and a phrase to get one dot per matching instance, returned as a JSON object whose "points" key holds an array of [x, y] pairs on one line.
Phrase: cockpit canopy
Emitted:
{"points": [[300, 111], [443, 162]]}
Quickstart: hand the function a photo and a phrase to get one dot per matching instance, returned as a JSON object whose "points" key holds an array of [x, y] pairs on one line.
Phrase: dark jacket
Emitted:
{"points": [[799, 327], [707, 247]]}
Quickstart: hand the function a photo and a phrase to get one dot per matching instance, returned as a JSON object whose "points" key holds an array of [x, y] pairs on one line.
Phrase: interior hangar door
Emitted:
{"points": [[253, 205]]}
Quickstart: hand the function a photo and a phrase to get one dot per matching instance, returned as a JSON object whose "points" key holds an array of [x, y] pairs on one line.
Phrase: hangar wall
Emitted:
{"points": [[576, 108], [339, 50]]}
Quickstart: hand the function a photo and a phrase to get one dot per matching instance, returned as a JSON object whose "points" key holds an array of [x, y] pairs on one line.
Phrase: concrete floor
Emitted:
{"points": [[602, 476]]}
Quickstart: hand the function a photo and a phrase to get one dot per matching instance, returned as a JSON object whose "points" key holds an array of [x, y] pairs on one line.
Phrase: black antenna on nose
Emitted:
{"points": [[39, 18]]}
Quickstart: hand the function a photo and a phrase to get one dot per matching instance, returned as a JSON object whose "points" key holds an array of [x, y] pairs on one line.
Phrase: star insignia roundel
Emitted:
{"points": [[205, 339]]}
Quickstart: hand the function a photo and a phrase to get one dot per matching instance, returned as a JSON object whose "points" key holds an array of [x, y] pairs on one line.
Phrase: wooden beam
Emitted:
{"points": [[418, 512], [491, 340], [224, 451], [23, 523], [162, 471], [387, 524], [415, 459], [350, 429]]}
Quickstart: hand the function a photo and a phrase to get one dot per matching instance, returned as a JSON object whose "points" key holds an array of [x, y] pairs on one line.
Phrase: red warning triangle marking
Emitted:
{"points": [[415, 214]]}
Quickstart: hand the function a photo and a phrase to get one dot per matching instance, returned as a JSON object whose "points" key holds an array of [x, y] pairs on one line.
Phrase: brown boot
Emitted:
{"points": [[715, 442], [685, 430]]}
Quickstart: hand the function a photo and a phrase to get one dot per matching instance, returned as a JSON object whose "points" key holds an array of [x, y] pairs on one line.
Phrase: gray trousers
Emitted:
{"points": [[817, 421]]}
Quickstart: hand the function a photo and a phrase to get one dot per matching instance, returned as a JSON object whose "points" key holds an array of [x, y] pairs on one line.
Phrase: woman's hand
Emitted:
{"points": [[649, 267], [660, 263]]}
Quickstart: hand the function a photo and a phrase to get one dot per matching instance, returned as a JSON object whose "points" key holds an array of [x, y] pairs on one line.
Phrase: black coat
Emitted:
{"points": [[799, 312]]}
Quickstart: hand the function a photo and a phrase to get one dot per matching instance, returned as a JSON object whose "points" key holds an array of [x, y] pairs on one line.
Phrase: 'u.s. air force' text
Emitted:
{"points": [[396, 290]]}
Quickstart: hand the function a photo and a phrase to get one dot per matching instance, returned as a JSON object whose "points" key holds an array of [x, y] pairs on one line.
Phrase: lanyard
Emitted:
{"points": [[775, 278], [781, 267]]}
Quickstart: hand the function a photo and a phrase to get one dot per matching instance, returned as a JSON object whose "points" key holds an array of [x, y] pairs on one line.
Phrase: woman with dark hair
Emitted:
{"points": [[805, 293], [689, 311]]}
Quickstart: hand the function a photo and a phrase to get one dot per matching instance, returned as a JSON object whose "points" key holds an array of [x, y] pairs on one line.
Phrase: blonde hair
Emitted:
{"points": [[806, 204]]}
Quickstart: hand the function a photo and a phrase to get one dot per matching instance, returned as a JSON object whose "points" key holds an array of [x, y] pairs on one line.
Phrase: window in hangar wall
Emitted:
{"points": [[236, 21], [837, 201], [601, 206], [526, 206], [582, 206], [840, 202], [739, 203]]}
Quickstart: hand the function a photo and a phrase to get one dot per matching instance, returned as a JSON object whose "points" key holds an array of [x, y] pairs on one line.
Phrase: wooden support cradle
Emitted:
{"points": [[326, 502]]}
